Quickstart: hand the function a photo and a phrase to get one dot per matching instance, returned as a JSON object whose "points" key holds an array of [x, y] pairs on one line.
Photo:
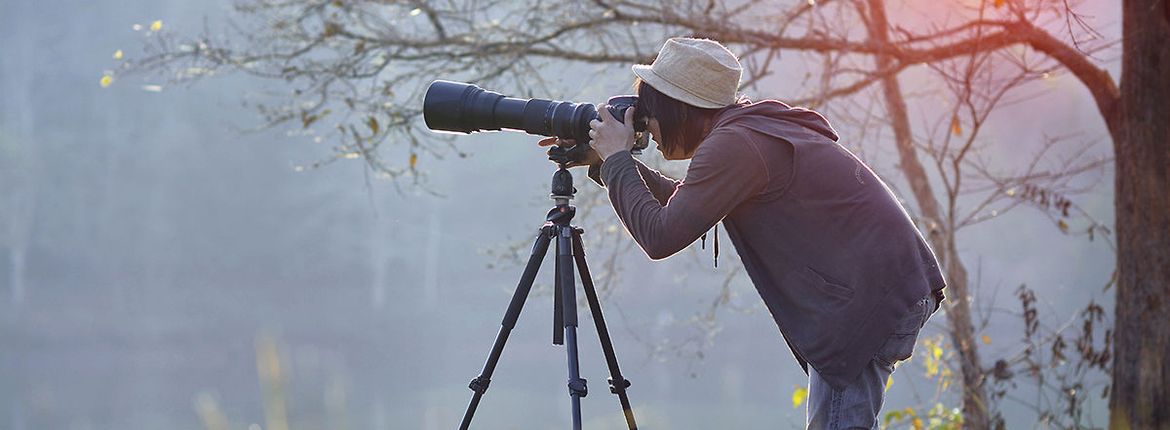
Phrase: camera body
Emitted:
{"points": [[617, 106], [467, 108]]}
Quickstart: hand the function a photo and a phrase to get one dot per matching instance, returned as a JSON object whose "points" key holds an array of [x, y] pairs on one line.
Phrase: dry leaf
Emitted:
{"points": [[372, 123]]}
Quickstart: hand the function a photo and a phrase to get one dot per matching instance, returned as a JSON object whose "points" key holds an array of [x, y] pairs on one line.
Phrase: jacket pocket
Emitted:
{"points": [[831, 286], [914, 319]]}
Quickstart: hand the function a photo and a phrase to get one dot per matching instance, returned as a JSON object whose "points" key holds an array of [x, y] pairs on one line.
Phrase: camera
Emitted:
{"points": [[467, 108]]}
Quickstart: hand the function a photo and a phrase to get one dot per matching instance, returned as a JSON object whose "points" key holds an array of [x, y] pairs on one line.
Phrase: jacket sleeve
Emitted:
{"points": [[726, 170], [660, 186]]}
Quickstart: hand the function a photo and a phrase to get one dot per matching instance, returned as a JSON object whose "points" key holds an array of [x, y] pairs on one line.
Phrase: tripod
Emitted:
{"points": [[568, 250]]}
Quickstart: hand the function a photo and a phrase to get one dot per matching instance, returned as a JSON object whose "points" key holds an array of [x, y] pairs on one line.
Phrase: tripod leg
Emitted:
{"points": [[558, 328], [577, 387], [480, 384], [617, 384]]}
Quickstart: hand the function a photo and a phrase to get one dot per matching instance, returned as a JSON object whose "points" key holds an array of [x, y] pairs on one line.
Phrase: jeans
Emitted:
{"points": [[857, 405]]}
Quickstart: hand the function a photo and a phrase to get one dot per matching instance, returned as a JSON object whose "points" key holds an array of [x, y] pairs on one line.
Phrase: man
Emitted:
{"points": [[840, 265]]}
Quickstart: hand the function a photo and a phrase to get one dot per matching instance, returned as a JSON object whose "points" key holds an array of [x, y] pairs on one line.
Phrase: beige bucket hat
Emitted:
{"points": [[698, 72]]}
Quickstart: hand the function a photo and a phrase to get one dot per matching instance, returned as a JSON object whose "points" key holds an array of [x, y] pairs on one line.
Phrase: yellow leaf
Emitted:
{"points": [[118, 54], [413, 160], [799, 395], [917, 423], [986, 340], [889, 382], [372, 123], [999, 3], [1063, 226], [156, 25], [932, 360], [106, 80], [956, 127]]}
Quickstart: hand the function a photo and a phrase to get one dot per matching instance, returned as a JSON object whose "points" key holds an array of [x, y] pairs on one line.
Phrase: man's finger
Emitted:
{"points": [[548, 141], [604, 114], [630, 116]]}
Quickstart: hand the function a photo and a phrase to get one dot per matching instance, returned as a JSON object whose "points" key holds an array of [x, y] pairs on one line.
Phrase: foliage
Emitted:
{"points": [[1064, 376], [938, 417]]}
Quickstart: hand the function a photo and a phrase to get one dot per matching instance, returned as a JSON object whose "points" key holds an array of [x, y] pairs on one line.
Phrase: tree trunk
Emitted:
{"points": [[1140, 397], [942, 239], [940, 233]]}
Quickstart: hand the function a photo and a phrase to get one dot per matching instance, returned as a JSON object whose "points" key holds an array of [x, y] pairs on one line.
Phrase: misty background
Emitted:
{"points": [[157, 259]]}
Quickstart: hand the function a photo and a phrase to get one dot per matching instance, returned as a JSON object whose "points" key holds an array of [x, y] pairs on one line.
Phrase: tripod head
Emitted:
{"points": [[566, 156], [562, 192], [562, 181]]}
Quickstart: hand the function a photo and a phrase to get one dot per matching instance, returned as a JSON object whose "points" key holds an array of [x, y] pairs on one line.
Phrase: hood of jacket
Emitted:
{"points": [[778, 111]]}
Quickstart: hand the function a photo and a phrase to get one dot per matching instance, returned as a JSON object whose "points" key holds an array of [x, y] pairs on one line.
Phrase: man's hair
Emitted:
{"points": [[681, 124]]}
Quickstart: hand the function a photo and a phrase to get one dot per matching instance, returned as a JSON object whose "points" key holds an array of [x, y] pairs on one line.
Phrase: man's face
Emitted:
{"points": [[656, 134], [673, 153]]}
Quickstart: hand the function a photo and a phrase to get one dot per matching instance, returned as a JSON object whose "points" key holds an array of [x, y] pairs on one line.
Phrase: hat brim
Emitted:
{"points": [[671, 90]]}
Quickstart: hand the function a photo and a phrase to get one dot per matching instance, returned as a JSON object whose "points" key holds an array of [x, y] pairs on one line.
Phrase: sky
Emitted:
{"points": [[158, 260]]}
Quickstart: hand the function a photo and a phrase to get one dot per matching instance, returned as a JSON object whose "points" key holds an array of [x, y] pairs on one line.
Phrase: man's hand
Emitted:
{"points": [[591, 157], [611, 136]]}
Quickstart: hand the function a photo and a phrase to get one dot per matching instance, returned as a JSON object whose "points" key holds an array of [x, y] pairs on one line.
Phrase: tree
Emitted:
{"points": [[363, 64], [1139, 122]]}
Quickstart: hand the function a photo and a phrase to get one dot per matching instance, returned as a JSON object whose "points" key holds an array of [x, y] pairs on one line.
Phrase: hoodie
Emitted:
{"points": [[833, 255]]}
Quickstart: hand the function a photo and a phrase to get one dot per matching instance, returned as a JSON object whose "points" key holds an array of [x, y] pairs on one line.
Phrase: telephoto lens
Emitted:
{"points": [[466, 108]]}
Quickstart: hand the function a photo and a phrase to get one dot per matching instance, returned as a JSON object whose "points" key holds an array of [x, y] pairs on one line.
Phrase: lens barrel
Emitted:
{"points": [[467, 108]]}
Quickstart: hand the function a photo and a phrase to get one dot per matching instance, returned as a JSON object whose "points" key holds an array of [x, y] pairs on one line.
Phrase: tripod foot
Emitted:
{"points": [[578, 387], [479, 384]]}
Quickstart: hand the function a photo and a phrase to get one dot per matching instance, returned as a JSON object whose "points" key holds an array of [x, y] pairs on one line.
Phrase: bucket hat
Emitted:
{"points": [[698, 72]]}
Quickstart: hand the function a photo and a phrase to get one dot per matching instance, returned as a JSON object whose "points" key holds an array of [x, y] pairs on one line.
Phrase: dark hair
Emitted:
{"points": [[682, 125]]}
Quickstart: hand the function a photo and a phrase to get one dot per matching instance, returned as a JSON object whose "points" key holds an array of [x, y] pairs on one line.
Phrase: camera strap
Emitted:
{"points": [[703, 244]]}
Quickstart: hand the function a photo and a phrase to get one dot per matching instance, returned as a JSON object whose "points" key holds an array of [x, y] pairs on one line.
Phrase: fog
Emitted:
{"points": [[163, 267]]}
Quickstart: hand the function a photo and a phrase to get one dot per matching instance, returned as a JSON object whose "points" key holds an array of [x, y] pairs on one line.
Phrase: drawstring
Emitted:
{"points": [[716, 246], [703, 244]]}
